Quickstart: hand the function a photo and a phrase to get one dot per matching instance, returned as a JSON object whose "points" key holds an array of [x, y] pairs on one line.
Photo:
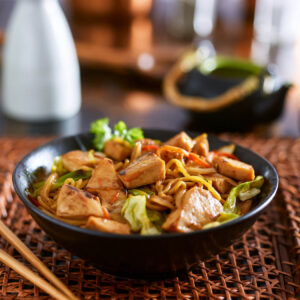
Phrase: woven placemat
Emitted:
{"points": [[264, 264]]}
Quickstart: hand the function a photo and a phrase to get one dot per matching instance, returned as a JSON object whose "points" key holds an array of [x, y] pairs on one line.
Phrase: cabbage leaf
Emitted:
{"points": [[244, 191], [135, 212]]}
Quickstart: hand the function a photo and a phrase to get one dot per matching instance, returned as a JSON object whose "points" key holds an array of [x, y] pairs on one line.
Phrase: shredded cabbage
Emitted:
{"points": [[134, 211], [223, 218], [58, 166], [157, 218], [141, 192], [244, 191]]}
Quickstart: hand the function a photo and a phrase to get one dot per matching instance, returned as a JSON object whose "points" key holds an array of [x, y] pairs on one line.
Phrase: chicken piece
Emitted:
{"points": [[201, 146], [197, 208], [117, 150], [77, 159], [104, 177], [245, 206], [181, 140], [222, 184], [77, 204], [234, 168], [106, 225], [113, 200], [146, 169]]}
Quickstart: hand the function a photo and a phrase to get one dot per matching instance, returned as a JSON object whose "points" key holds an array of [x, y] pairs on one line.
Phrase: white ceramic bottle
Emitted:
{"points": [[41, 78]]}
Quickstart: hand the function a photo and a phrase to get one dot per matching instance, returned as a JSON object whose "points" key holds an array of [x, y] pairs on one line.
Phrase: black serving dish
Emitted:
{"points": [[135, 256], [214, 77], [257, 108]]}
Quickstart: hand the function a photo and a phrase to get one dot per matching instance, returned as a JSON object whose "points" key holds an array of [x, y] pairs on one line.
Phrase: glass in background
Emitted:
{"points": [[204, 17], [276, 21], [276, 29], [276, 42]]}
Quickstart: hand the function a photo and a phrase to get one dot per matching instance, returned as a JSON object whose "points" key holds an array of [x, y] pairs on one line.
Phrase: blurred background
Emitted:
{"points": [[125, 49]]}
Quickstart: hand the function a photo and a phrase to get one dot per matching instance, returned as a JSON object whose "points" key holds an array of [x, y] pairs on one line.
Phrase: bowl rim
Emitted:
{"points": [[29, 205]]}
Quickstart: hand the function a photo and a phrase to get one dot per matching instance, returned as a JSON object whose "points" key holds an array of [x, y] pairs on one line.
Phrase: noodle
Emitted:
{"points": [[198, 178], [200, 171], [136, 151]]}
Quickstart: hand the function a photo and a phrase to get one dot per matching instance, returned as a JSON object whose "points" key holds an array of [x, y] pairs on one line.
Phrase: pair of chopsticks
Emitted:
{"points": [[57, 290]]}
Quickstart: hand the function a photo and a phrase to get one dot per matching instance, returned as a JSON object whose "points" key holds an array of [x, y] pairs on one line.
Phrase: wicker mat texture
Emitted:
{"points": [[264, 264]]}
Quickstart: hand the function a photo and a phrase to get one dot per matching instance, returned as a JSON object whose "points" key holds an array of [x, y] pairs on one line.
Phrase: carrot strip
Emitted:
{"points": [[114, 198], [172, 149], [150, 147], [197, 159], [229, 155], [105, 212]]}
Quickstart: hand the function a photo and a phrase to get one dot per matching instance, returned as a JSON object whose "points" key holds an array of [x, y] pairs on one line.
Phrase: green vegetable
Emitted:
{"points": [[223, 218], [37, 186], [226, 217], [157, 218], [120, 129], [58, 166], [211, 225], [129, 135], [140, 192], [104, 133], [134, 134], [240, 191], [76, 175], [134, 211]]}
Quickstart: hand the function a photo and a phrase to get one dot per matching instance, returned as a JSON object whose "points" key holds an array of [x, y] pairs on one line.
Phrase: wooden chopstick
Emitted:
{"points": [[34, 260], [31, 276]]}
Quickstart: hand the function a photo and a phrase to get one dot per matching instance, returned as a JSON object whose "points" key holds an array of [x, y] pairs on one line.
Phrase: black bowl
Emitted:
{"points": [[135, 256]]}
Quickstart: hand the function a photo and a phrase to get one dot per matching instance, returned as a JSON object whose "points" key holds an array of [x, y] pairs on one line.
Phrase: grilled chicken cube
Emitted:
{"points": [[201, 146], [77, 204], [77, 159], [117, 150], [113, 200], [146, 169], [221, 183], [181, 140], [234, 168], [245, 206], [106, 225], [104, 177], [197, 208]]}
